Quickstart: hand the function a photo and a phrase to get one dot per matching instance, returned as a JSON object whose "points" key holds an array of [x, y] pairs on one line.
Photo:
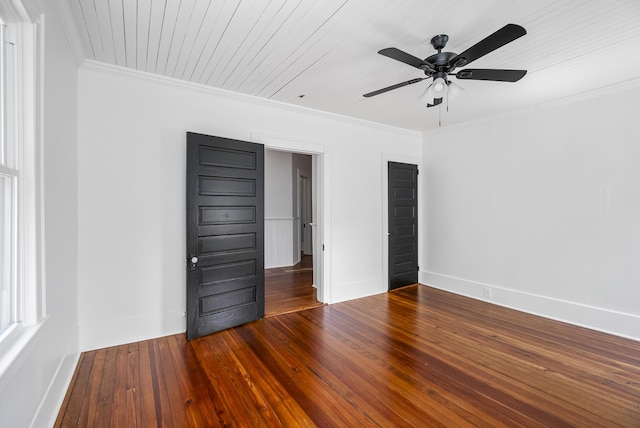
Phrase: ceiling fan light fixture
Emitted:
{"points": [[439, 86], [454, 90], [437, 89]]}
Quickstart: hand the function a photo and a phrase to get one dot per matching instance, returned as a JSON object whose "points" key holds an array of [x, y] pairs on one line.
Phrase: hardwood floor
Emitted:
{"points": [[290, 289], [413, 357]]}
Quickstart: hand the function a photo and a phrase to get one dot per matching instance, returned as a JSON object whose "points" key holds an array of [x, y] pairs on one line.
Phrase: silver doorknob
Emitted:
{"points": [[194, 260]]}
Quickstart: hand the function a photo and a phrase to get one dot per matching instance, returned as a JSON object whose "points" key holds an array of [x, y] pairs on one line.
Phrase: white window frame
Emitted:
{"points": [[26, 123], [9, 172]]}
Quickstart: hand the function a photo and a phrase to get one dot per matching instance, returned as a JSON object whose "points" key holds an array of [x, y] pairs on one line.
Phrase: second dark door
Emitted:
{"points": [[403, 224]]}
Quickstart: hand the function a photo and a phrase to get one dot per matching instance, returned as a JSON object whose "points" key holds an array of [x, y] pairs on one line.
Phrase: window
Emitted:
{"points": [[9, 176], [21, 285]]}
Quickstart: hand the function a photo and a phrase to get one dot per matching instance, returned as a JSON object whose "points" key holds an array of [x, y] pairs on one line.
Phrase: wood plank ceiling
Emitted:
{"points": [[322, 54]]}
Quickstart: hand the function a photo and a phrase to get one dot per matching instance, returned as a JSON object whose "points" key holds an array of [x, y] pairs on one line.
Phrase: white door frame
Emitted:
{"points": [[320, 180]]}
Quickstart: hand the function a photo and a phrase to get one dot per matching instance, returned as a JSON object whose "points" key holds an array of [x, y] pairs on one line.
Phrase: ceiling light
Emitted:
{"points": [[438, 89], [454, 90], [439, 86]]}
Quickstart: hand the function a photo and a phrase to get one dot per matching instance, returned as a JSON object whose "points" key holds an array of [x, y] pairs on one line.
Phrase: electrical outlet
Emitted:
{"points": [[487, 292]]}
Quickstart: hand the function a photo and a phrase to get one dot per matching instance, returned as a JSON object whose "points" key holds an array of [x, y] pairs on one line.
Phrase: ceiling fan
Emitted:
{"points": [[442, 64]]}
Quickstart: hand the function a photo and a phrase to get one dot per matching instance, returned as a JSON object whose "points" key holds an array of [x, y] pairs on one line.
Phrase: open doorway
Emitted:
{"points": [[290, 204]]}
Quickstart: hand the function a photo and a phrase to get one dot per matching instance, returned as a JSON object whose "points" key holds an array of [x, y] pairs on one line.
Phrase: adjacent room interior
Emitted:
{"points": [[521, 214], [289, 208]]}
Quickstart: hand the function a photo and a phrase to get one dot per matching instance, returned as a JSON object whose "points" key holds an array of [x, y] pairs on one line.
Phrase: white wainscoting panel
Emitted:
{"points": [[278, 242]]}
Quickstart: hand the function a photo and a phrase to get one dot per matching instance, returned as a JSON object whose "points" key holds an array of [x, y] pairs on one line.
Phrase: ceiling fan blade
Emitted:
{"points": [[402, 56], [505, 35], [396, 86], [436, 101], [491, 74]]}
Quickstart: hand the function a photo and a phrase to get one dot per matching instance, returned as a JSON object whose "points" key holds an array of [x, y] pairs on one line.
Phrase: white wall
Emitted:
{"points": [[542, 208], [33, 385], [277, 183], [131, 161], [278, 215]]}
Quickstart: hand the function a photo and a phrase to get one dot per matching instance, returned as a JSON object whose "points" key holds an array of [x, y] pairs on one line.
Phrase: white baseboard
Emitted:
{"points": [[50, 407], [355, 290], [601, 319], [128, 330]]}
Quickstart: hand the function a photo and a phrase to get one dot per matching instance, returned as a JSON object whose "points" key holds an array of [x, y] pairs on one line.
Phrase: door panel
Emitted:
{"points": [[225, 233], [403, 224]]}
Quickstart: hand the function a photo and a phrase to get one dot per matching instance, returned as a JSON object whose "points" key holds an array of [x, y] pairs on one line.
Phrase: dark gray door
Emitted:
{"points": [[403, 224], [225, 233]]}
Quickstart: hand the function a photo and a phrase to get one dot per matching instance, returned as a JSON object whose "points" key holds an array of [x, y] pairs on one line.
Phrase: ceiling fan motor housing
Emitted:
{"points": [[440, 61]]}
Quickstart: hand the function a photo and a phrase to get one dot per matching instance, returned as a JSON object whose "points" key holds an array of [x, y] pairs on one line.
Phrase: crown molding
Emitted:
{"points": [[173, 82]]}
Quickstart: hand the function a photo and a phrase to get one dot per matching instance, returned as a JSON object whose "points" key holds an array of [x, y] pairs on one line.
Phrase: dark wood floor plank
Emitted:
{"points": [[288, 412], [208, 389], [133, 415], [107, 388], [91, 399], [324, 405], [246, 386], [195, 415], [148, 392], [161, 391], [238, 400], [413, 357], [201, 409], [119, 389], [71, 407], [177, 400]]}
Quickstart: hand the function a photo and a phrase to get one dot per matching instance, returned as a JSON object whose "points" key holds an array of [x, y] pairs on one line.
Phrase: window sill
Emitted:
{"points": [[15, 342]]}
